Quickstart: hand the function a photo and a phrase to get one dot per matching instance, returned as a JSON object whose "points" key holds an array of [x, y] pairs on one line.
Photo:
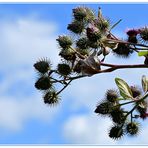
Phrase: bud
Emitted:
{"points": [[43, 83], [142, 109], [82, 43], [102, 24], [104, 108], [79, 13], [51, 98], [93, 34], [135, 91], [94, 45], [132, 128], [132, 32], [117, 116], [116, 132], [64, 41], [42, 66], [144, 34], [83, 13], [122, 50], [64, 69], [76, 27], [112, 95], [68, 54], [83, 51]]}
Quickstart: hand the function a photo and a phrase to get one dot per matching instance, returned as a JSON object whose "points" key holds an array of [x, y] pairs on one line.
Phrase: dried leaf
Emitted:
{"points": [[145, 83]]}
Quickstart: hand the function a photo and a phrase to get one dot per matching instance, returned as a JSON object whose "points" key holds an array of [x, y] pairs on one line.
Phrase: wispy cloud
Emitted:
{"points": [[22, 42], [87, 129]]}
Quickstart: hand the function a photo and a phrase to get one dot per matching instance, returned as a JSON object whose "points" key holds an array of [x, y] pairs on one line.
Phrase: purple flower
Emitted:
{"points": [[132, 32]]}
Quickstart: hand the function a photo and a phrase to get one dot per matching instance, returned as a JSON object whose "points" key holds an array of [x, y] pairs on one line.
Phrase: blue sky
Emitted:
{"points": [[28, 32]]}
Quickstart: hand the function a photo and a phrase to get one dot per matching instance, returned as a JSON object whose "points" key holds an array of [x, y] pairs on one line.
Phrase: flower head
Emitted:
{"points": [[64, 41], [116, 132], [132, 128], [132, 32], [144, 34], [93, 33], [42, 66], [43, 83]]}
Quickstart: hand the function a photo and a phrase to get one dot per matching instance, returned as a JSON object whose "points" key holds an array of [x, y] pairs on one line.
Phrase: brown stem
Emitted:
{"points": [[112, 68], [120, 41], [122, 67], [125, 66]]}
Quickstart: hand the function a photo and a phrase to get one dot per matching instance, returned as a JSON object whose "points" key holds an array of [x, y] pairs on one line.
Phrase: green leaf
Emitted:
{"points": [[124, 89], [142, 53], [145, 83], [115, 24]]}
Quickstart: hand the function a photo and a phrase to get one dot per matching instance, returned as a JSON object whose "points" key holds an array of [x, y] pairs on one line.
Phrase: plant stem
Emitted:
{"points": [[127, 103], [143, 98], [124, 42], [64, 87], [115, 67]]}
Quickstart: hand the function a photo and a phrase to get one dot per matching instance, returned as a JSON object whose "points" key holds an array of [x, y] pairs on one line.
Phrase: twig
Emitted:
{"points": [[64, 87]]}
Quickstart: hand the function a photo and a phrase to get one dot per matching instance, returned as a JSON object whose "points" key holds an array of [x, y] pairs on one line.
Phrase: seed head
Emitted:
{"points": [[93, 44], [42, 66], [104, 108], [64, 41], [135, 91], [122, 50], [79, 13], [83, 51], [68, 54], [43, 83], [82, 43], [112, 95], [64, 69], [144, 34], [132, 128], [117, 116], [102, 24], [76, 27], [93, 34], [116, 132], [83, 14], [51, 98], [142, 109]]}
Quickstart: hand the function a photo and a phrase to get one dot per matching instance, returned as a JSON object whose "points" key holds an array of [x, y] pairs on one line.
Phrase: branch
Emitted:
{"points": [[125, 66], [115, 67], [120, 41]]}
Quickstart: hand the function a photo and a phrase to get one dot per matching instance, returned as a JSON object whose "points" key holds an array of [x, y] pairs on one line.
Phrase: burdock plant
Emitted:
{"points": [[83, 54]]}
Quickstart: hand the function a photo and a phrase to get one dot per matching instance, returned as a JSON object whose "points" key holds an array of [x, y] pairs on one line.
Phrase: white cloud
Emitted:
{"points": [[25, 40], [14, 113], [87, 129], [85, 93], [22, 42]]}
